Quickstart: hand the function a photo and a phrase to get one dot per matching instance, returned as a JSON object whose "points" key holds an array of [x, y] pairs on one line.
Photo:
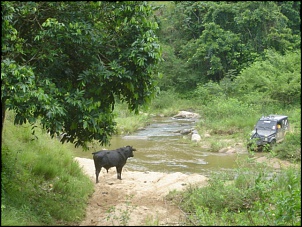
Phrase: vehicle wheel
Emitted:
{"points": [[260, 148]]}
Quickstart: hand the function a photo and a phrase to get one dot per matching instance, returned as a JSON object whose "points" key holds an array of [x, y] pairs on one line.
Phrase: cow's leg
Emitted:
{"points": [[119, 172], [97, 172]]}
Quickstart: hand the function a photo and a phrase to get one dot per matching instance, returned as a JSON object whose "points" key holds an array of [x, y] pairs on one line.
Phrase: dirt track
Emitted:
{"points": [[139, 196]]}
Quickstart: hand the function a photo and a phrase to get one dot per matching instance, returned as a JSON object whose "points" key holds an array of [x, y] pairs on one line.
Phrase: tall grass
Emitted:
{"points": [[41, 184], [248, 197]]}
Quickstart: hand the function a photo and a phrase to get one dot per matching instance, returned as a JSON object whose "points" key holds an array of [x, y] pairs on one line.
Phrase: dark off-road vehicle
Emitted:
{"points": [[268, 131]]}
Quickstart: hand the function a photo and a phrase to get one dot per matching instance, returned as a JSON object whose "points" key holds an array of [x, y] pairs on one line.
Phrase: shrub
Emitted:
{"points": [[249, 196]]}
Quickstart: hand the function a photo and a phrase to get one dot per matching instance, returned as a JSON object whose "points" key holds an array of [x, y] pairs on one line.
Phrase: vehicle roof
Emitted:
{"points": [[273, 117]]}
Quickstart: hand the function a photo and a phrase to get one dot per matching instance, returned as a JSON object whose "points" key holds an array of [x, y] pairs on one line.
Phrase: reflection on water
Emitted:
{"points": [[160, 147]]}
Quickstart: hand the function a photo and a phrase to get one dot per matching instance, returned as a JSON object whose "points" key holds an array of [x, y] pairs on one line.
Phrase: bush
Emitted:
{"points": [[248, 196]]}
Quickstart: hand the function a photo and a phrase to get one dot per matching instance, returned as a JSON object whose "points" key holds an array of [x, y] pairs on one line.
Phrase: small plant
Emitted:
{"points": [[216, 146], [252, 145], [150, 221], [121, 215], [267, 148]]}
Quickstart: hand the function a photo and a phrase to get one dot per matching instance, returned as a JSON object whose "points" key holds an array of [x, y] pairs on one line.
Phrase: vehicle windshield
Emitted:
{"points": [[266, 125]]}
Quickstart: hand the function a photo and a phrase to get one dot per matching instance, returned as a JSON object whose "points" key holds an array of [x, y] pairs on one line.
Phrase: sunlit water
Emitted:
{"points": [[160, 147]]}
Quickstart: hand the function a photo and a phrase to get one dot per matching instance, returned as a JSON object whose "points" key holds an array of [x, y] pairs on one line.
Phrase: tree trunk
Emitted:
{"points": [[3, 117]]}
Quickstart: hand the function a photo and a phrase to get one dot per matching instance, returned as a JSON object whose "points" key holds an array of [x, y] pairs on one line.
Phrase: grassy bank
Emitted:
{"points": [[254, 196], [40, 182]]}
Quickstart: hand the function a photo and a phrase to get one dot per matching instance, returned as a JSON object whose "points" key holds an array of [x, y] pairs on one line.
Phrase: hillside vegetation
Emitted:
{"points": [[41, 184], [78, 71]]}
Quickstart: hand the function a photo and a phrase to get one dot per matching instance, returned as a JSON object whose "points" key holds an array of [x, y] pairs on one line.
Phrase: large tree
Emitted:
{"points": [[213, 39], [64, 64]]}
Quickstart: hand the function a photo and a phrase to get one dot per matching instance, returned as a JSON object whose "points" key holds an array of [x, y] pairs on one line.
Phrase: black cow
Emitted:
{"points": [[110, 158]]}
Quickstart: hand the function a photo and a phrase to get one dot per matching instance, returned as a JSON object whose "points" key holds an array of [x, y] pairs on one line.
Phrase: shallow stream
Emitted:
{"points": [[162, 148]]}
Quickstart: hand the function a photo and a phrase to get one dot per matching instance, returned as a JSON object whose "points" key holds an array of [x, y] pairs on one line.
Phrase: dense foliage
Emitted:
{"points": [[206, 40], [274, 79], [65, 63]]}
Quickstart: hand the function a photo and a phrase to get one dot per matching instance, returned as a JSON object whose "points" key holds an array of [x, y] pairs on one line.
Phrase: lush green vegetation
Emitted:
{"points": [[232, 107], [36, 183], [207, 41], [64, 64], [41, 184], [251, 196], [229, 109], [254, 196], [231, 62]]}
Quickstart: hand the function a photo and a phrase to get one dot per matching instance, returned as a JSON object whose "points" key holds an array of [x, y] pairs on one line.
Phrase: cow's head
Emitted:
{"points": [[130, 150]]}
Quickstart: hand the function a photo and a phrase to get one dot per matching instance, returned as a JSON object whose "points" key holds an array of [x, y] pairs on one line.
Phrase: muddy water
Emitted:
{"points": [[161, 147]]}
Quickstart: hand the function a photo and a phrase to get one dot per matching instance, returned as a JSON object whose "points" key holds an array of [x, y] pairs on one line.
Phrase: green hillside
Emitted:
{"points": [[41, 184]]}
